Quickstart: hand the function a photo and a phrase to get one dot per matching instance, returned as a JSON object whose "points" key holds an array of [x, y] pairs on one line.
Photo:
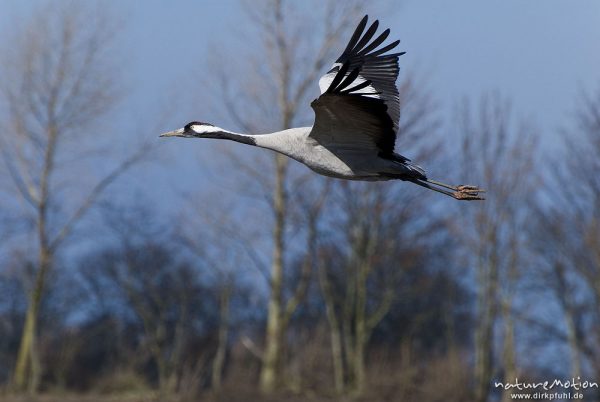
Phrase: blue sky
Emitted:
{"points": [[540, 54]]}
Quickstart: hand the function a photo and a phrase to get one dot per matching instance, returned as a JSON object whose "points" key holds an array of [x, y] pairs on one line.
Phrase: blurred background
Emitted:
{"points": [[139, 269]]}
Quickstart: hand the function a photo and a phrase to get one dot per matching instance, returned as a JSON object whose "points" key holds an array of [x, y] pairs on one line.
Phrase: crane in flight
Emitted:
{"points": [[356, 121]]}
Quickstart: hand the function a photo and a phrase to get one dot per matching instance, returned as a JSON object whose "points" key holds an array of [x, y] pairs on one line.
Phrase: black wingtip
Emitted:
{"points": [[363, 22], [380, 39], [357, 34], [366, 37], [385, 49]]}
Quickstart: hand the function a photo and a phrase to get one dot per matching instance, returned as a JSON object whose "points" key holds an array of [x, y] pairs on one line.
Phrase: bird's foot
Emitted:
{"points": [[468, 193], [462, 192]]}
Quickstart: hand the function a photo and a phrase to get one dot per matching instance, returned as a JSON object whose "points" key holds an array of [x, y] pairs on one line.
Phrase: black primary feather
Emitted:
{"points": [[348, 80], [359, 87], [367, 37], [356, 35], [338, 77]]}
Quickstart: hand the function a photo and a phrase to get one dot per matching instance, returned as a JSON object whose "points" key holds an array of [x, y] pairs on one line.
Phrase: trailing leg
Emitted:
{"points": [[461, 192]]}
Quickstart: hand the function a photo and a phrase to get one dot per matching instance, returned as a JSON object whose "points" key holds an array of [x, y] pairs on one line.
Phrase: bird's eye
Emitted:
{"points": [[188, 127]]}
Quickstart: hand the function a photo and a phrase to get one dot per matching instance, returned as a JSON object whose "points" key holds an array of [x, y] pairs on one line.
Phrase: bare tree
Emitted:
{"points": [[274, 93], [558, 254], [567, 233], [500, 153], [153, 281], [359, 273], [225, 259], [222, 336], [56, 84]]}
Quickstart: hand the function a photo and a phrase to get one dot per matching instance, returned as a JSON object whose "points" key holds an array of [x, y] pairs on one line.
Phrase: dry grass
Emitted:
{"points": [[151, 397]]}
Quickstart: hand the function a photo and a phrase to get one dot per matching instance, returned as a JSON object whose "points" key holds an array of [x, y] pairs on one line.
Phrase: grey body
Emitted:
{"points": [[339, 162]]}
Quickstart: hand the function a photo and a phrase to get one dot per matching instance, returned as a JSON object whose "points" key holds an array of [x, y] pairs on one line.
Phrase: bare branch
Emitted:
{"points": [[252, 348], [95, 193]]}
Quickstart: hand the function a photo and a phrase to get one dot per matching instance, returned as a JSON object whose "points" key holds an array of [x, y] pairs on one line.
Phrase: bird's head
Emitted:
{"points": [[192, 129]]}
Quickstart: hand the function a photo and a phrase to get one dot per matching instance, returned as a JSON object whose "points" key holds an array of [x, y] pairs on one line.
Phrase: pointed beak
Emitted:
{"points": [[176, 133]]}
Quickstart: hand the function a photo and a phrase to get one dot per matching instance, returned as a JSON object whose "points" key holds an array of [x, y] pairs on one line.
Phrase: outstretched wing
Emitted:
{"points": [[359, 107]]}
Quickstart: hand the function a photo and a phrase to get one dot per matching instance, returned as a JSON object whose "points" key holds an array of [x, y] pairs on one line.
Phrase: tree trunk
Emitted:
{"points": [[348, 317], [573, 343], [165, 383], [219, 361], [563, 294], [269, 373], [510, 368], [483, 336], [358, 365], [27, 369], [360, 329], [334, 331]]}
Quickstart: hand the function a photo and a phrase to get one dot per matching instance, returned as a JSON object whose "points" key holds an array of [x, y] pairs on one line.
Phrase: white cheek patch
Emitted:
{"points": [[201, 129]]}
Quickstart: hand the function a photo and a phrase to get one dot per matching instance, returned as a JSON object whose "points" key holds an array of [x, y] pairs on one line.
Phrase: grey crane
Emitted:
{"points": [[356, 121]]}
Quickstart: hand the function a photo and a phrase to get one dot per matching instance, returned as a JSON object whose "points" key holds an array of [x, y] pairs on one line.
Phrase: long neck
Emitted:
{"points": [[281, 141], [222, 134]]}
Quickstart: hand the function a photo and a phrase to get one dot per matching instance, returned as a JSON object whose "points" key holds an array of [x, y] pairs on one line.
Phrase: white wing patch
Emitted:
{"points": [[327, 79], [369, 89]]}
